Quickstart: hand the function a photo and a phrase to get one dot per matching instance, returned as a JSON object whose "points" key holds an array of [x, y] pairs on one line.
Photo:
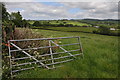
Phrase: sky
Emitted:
{"points": [[39, 10]]}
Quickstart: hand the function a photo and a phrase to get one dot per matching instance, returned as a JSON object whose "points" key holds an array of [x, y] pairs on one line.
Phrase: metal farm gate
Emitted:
{"points": [[44, 56]]}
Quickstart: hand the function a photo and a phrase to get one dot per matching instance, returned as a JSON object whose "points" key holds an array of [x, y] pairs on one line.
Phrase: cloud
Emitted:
{"points": [[59, 1], [95, 9], [38, 10], [17, 1]]}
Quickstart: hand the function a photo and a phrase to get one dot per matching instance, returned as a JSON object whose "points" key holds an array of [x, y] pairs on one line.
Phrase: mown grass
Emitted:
{"points": [[100, 58]]}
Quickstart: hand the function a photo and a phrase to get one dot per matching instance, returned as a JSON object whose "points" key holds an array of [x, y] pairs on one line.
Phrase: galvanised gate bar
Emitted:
{"points": [[24, 58]]}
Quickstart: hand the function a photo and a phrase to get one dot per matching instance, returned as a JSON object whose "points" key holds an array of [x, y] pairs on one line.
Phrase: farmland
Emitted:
{"points": [[100, 59], [70, 29], [86, 25], [108, 22], [100, 51], [98, 35], [82, 22], [70, 22], [55, 22]]}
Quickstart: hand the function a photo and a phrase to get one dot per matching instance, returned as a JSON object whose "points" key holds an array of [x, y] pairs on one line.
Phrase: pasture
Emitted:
{"points": [[73, 29], [69, 22], [56, 22], [100, 57]]}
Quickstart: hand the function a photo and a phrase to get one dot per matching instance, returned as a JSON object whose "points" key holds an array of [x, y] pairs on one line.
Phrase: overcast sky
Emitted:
{"points": [[64, 10]]}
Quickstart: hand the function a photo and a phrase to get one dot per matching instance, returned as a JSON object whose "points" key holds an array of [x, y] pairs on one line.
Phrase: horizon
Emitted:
{"points": [[75, 19]]}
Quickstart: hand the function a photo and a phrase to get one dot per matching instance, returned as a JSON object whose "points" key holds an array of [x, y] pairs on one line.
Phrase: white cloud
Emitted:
{"points": [[17, 0], [59, 0], [95, 9], [37, 10]]}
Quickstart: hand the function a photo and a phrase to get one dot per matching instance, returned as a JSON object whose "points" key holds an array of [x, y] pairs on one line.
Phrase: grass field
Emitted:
{"points": [[69, 29], [74, 29], [63, 22], [100, 57], [70, 22]]}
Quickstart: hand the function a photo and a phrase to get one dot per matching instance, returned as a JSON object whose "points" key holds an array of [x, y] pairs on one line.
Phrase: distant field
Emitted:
{"points": [[74, 23], [73, 29], [107, 23], [100, 57], [110, 24], [69, 29], [31, 22], [70, 22]]}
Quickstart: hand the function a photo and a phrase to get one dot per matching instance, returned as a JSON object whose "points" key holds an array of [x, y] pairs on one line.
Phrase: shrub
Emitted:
{"points": [[37, 23], [25, 23], [68, 25], [118, 27], [7, 32], [95, 31], [23, 33], [104, 30], [46, 24], [114, 33], [26, 33]]}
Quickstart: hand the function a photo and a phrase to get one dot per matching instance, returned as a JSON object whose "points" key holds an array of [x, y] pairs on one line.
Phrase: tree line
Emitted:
{"points": [[15, 18], [47, 23]]}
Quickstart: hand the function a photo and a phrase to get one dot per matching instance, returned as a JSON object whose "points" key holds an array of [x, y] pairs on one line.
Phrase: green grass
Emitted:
{"points": [[69, 29], [100, 58], [31, 22], [66, 22], [73, 29], [110, 24], [70, 22]]}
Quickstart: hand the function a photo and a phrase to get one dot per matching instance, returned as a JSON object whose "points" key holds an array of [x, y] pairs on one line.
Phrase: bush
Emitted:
{"points": [[95, 31], [104, 30], [46, 24], [68, 25], [23, 33], [118, 27], [37, 23], [26, 33], [25, 23], [114, 33], [7, 32]]}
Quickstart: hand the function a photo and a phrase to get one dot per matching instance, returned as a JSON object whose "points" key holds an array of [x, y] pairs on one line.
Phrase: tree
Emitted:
{"points": [[5, 14], [7, 24], [104, 30], [25, 23], [16, 17], [46, 23], [36, 23]]}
